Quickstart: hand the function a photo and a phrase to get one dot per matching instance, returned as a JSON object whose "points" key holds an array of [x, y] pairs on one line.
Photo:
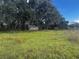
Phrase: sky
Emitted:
{"points": [[68, 8]]}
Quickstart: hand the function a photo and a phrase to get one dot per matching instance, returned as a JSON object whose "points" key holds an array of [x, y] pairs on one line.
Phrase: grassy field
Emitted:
{"points": [[38, 45]]}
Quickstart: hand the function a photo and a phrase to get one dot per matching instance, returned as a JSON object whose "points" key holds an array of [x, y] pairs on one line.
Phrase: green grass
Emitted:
{"points": [[37, 45]]}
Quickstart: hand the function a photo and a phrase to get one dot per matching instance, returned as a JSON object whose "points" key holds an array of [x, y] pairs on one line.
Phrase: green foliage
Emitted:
{"points": [[37, 45], [16, 13]]}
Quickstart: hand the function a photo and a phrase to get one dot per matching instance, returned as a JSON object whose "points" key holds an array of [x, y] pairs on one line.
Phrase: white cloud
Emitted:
{"points": [[76, 20]]}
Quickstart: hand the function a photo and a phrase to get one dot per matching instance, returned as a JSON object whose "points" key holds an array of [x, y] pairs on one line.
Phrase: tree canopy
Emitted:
{"points": [[19, 14]]}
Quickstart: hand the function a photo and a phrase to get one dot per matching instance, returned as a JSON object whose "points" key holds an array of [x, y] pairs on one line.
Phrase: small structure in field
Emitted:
{"points": [[33, 27]]}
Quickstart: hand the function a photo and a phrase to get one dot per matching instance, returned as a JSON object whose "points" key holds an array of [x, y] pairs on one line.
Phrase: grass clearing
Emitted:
{"points": [[37, 45]]}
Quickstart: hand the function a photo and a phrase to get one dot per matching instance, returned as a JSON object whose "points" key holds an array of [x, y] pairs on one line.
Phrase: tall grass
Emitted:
{"points": [[37, 45], [73, 35]]}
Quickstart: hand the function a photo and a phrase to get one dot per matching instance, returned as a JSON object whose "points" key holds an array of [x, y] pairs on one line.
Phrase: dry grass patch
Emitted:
{"points": [[73, 35]]}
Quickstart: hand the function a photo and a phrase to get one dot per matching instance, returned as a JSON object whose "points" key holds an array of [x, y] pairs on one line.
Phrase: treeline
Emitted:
{"points": [[74, 25], [20, 14]]}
